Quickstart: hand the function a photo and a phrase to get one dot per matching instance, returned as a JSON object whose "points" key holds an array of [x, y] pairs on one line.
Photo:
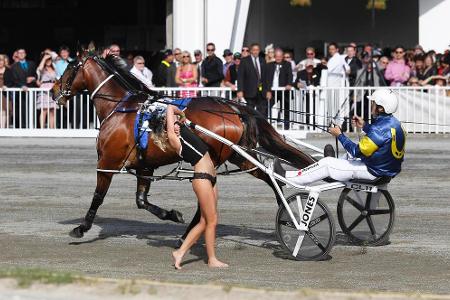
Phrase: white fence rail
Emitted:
{"points": [[423, 110]]}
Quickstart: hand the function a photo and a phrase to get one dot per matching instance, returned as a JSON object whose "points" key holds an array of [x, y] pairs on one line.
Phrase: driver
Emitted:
{"points": [[380, 152]]}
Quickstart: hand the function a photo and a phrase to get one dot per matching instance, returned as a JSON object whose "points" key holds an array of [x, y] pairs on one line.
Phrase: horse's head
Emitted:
{"points": [[70, 83]]}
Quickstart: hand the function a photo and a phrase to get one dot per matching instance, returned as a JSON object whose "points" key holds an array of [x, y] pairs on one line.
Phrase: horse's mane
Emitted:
{"points": [[119, 65]]}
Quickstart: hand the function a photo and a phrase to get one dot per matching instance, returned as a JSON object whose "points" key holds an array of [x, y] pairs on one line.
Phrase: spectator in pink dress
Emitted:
{"points": [[397, 71], [186, 75], [46, 79]]}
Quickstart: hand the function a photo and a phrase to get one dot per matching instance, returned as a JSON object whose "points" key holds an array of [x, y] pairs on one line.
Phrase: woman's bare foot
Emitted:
{"points": [[177, 258], [215, 263]]}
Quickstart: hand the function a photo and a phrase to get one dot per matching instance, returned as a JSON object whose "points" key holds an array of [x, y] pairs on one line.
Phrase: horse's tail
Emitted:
{"points": [[273, 142]]}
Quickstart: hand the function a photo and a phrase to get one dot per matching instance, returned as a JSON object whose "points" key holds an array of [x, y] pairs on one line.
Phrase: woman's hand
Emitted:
{"points": [[176, 128], [182, 117]]}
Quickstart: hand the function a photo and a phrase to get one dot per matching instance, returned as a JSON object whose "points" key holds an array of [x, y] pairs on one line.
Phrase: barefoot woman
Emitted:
{"points": [[192, 149]]}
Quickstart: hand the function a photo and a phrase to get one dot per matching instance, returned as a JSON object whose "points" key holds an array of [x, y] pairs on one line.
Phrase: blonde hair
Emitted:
{"points": [[189, 54], [160, 137]]}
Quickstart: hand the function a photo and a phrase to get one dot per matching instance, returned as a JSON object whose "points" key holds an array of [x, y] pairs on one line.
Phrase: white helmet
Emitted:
{"points": [[386, 98]]}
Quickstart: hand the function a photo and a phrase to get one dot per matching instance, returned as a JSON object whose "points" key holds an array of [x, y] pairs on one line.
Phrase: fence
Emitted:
{"points": [[423, 110]]}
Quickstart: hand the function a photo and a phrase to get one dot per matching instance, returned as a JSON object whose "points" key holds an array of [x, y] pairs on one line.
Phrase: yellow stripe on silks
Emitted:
{"points": [[165, 63], [394, 149], [367, 146]]}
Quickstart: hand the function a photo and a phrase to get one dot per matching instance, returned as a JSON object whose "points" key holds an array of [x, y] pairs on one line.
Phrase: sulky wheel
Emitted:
{"points": [[317, 241], [366, 218]]}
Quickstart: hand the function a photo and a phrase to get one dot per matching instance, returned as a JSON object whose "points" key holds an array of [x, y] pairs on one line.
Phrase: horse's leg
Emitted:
{"points": [[103, 182], [143, 186], [191, 225]]}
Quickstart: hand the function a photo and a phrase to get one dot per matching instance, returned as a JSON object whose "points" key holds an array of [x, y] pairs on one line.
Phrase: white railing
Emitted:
{"points": [[34, 113], [422, 109], [191, 92]]}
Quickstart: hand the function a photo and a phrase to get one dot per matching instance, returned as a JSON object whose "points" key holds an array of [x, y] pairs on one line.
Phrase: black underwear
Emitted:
{"points": [[207, 176]]}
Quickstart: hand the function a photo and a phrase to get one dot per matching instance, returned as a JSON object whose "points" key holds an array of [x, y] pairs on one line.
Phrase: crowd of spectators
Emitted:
{"points": [[252, 74]]}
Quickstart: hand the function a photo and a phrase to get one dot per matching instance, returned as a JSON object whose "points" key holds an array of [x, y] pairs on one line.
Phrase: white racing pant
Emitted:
{"points": [[337, 168]]}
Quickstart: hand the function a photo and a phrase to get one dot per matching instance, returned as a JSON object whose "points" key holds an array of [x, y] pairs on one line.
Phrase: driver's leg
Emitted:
{"points": [[338, 169]]}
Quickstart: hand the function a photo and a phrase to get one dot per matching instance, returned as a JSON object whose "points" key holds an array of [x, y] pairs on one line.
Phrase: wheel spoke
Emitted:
{"points": [[378, 211], [372, 228], [354, 203], [298, 244], [356, 222], [368, 199], [317, 220], [316, 241], [286, 223]]}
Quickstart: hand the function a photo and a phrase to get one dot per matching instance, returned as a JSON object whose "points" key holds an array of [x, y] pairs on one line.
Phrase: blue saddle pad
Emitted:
{"points": [[143, 119], [181, 103], [140, 131]]}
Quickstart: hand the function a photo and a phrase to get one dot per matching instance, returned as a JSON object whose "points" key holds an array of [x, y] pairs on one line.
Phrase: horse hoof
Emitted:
{"points": [[76, 233], [176, 216]]}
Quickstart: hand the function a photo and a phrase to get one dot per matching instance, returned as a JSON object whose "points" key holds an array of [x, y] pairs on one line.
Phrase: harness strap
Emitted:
{"points": [[207, 176], [101, 85]]}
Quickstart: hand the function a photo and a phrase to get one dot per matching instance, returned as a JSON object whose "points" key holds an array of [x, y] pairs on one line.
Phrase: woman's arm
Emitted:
{"points": [[177, 77], [194, 74], [42, 63], [174, 141]]}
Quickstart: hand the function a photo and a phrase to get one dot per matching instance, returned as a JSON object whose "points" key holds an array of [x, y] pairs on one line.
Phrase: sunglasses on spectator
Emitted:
{"points": [[185, 56], [210, 50], [177, 53], [244, 50], [399, 52], [287, 57], [139, 63], [309, 53]]}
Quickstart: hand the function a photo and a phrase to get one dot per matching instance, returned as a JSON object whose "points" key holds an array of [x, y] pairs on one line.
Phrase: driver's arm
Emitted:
{"points": [[366, 146]]}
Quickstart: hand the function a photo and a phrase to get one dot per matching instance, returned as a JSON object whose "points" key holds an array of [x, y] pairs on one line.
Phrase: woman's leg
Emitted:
{"points": [[4, 122], [207, 197], [51, 118], [208, 222], [208, 206], [42, 118], [190, 240]]}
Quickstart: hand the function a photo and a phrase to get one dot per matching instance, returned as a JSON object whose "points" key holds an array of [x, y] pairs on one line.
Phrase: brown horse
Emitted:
{"points": [[116, 95]]}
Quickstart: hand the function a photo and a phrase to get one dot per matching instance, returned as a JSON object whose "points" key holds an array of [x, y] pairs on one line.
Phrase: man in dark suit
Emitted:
{"points": [[354, 63], [23, 75], [252, 85], [309, 76], [212, 68], [279, 75]]}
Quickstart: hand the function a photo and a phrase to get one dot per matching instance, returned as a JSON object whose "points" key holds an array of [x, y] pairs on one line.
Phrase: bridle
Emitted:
{"points": [[66, 90]]}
